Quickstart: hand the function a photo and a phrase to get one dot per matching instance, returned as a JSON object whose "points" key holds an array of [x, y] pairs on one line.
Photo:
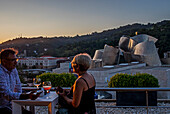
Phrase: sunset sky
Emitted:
{"points": [[33, 18]]}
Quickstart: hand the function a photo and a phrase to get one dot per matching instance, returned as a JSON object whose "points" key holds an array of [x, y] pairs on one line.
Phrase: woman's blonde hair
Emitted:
{"points": [[83, 60]]}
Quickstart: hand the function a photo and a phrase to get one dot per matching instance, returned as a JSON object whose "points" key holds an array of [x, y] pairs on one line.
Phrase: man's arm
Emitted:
{"points": [[5, 90], [18, 87]]}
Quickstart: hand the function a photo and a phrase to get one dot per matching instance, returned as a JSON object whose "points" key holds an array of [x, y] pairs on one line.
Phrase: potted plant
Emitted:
{"points": [[134, 98]]}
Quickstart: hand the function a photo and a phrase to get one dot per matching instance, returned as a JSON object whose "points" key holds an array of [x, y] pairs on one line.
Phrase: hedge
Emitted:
{"points": [[63, 79], [136, 80]]}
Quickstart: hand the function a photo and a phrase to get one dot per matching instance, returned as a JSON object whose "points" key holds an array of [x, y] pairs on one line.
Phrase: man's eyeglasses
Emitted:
{"points": [[12, 59]]}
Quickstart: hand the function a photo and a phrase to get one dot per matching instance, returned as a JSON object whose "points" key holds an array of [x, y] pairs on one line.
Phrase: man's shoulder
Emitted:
{"points": [[15, 71], [1, 70]]}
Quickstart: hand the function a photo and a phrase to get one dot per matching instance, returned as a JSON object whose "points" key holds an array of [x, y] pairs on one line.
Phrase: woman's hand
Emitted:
{"points": [[27, 95], [62, 94]]}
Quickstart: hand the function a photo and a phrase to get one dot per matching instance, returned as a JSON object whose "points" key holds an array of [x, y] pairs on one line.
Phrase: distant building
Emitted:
{"points": [[167, 54], [40, 62], [166, 59], [64, 68]]}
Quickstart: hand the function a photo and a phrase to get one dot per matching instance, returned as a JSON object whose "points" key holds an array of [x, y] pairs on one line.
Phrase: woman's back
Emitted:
{"points": [[87, 103]]}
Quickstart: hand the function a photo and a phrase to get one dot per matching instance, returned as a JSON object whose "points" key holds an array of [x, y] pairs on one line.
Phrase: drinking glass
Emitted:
{"points": [[37, 82], [47, 86]]}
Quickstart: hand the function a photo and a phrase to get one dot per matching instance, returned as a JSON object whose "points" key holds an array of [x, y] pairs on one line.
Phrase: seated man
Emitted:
{"points": [[10, 85]]}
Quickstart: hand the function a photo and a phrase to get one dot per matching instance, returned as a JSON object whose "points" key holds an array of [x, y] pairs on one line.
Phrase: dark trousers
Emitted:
{"points": [[9, 111], [5, 111]]}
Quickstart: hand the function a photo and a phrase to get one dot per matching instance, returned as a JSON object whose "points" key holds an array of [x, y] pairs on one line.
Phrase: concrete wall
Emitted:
{"points": [[102, 75], [64, 68]]}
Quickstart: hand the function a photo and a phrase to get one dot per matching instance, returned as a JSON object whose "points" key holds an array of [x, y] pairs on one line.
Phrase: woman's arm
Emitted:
{"points": [[78, 88], [77, 92]]}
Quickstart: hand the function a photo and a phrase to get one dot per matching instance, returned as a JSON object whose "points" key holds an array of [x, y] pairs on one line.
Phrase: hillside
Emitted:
{"points": [[68, 46]]}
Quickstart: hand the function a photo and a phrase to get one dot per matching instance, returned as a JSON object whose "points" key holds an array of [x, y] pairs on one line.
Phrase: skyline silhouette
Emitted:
{"points": [[70, 18]]}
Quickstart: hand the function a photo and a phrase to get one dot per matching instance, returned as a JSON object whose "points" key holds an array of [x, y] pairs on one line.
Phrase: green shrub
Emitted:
{"points": [[145, 80], [63, 79], [137, 80]]}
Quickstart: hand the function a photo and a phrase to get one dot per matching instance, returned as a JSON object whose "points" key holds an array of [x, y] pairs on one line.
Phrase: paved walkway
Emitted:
{"points": [[103, 110]]}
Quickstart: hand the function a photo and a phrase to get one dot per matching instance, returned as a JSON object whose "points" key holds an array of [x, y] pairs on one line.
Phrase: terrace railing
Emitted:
{"points": [[134, 89]]}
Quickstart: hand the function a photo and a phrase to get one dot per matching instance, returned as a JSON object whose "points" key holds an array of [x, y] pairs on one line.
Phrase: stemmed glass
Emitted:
{"points": [[37, 82], [47, 86]]}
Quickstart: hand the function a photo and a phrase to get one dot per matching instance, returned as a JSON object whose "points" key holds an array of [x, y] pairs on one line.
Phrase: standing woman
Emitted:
{"points": [[84, 87]]}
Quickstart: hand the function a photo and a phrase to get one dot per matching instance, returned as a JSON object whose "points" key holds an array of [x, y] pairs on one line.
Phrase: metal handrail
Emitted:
{"points": [[114, 100], [134, 89]]}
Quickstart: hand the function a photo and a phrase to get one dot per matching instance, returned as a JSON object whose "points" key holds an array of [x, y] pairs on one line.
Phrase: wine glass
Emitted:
{"points": [[47, 86], [37, 82]]}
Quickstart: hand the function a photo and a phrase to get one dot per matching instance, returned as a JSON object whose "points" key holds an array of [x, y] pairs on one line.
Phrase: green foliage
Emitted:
{"points": [[145, 80], [119, 80], [63, 79], [137, 80]]}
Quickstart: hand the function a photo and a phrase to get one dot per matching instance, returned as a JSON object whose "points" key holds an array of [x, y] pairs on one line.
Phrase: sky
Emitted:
{"points": [[50, 18]]}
